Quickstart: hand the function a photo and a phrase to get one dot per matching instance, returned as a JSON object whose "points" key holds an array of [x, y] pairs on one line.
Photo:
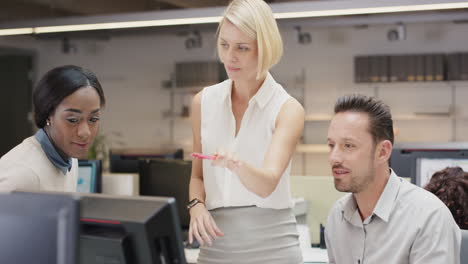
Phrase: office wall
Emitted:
{"points": [[131, 69]]}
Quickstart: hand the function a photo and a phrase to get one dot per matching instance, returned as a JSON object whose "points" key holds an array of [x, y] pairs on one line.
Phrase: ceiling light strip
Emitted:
{"points": [[371, 10], [130, 24], [16, 31]]}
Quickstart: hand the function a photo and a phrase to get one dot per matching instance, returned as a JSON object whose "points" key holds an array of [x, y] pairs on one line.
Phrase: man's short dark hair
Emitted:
{"points": [[57, 84], [380, 117]]}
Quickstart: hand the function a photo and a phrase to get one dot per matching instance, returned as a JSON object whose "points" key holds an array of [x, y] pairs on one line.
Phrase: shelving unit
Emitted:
{"points": [[174, 93], [190, 77], [446, 119], [187, 79]]}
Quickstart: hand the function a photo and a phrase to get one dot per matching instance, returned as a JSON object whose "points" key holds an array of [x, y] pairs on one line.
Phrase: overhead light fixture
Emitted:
{"points": [[288, 10], [16, 31], [372, 10], [129, 24]]}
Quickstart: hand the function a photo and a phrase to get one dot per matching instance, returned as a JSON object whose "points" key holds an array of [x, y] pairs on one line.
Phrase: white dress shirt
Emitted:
{"points": [[218, 126], [408, 225]]}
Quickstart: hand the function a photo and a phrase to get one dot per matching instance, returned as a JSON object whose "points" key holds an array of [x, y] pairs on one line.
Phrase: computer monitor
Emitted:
{"points": [[162, 177], [38, 228], [130, 230], [126, 161], [406, 157], [89, 176], [426, 167]]}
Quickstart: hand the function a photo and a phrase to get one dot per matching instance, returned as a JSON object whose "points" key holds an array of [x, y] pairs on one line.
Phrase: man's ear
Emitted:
{"points": [[384, 151]]}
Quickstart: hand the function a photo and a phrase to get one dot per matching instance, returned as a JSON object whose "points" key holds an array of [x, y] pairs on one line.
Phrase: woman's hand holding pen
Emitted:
{"points": [[202, 225], [226, 159], [223, 158]]}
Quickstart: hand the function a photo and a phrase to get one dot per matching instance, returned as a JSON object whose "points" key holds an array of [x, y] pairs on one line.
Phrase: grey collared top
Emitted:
{"points": [[51, 152], [408, 225]]}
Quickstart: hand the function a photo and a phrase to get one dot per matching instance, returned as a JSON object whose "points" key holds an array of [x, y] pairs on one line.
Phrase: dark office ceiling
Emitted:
{"points": [[15, 10]]}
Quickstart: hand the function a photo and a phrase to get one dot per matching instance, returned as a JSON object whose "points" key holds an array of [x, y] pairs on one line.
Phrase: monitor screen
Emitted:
{"points": [[121, 161], [38, 228], [428, 166], [162, 177], [406, 157], [130, 230], [89, 176]]}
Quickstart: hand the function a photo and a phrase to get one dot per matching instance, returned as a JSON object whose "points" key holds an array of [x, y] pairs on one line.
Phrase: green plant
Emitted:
{"points": [[99, 149]]}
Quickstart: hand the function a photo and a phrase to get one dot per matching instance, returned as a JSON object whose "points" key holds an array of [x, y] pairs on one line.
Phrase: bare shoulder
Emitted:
{"points": [[292, 109], [196, 101]]}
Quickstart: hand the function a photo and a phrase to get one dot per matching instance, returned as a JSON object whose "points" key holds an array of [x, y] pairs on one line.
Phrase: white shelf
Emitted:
{"points": [[411, 84], [312, 148], [318, 117], [411, 117], [435, 116], [185, 90]]}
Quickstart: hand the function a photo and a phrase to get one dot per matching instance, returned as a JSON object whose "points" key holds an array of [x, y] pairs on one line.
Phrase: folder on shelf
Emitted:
{"points": [[383, 68], [410, 67], [438, 67], [358, 61], [419, 63], [453, 66], [429, 74], [366, 69], [394, 68], [374, 68], [463, 66]]}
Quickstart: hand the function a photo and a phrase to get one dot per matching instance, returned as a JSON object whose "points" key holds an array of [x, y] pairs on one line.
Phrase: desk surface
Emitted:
{"points": [[310, 255]]}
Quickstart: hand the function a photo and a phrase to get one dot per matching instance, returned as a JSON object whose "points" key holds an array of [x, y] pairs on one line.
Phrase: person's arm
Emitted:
{"points": [[18, 177], [202, 225], [288, 130], [196, 189], [438, 241]]}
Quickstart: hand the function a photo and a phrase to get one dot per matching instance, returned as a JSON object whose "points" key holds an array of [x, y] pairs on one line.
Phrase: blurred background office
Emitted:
{"points": [[416, 61]]}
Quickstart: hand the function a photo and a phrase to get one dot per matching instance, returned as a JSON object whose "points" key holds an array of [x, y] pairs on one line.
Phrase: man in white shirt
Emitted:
{"points": [[383, 219]]}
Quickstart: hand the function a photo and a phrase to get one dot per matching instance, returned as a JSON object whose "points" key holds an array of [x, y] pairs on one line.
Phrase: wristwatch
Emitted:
{"points": [[193, 202]]}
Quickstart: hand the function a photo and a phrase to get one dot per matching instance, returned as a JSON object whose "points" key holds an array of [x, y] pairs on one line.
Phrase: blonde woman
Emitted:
{"points": [[241, 206]]}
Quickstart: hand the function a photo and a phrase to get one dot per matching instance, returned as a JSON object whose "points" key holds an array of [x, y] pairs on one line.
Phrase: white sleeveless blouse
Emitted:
{"points": [[223, 188]]}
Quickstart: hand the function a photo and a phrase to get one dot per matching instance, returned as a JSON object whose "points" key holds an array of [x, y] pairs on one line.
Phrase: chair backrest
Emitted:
{"points": [[464, 247]]}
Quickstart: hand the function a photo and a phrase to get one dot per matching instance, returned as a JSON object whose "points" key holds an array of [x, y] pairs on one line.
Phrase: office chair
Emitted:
{"points": [[464, 247]]}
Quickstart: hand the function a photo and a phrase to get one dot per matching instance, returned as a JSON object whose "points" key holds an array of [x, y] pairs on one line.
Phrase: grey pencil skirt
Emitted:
{"points": [[253, 235]]}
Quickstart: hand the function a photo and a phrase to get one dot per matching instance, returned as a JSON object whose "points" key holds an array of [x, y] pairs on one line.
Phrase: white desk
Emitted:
{"points": [[310, 255], [120, 184]]}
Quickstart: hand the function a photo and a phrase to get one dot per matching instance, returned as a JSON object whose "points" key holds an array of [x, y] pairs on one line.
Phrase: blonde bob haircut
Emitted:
{"points": [[255, 19]]}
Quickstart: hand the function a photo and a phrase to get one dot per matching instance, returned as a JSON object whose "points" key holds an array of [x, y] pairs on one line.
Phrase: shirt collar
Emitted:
{"points": [[263, 94], [51, 152], [387, 199], [384, 205], [350, 210]]}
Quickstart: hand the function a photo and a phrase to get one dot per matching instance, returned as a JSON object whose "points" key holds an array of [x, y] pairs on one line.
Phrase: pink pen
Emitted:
{"points": [[203, 156]]}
